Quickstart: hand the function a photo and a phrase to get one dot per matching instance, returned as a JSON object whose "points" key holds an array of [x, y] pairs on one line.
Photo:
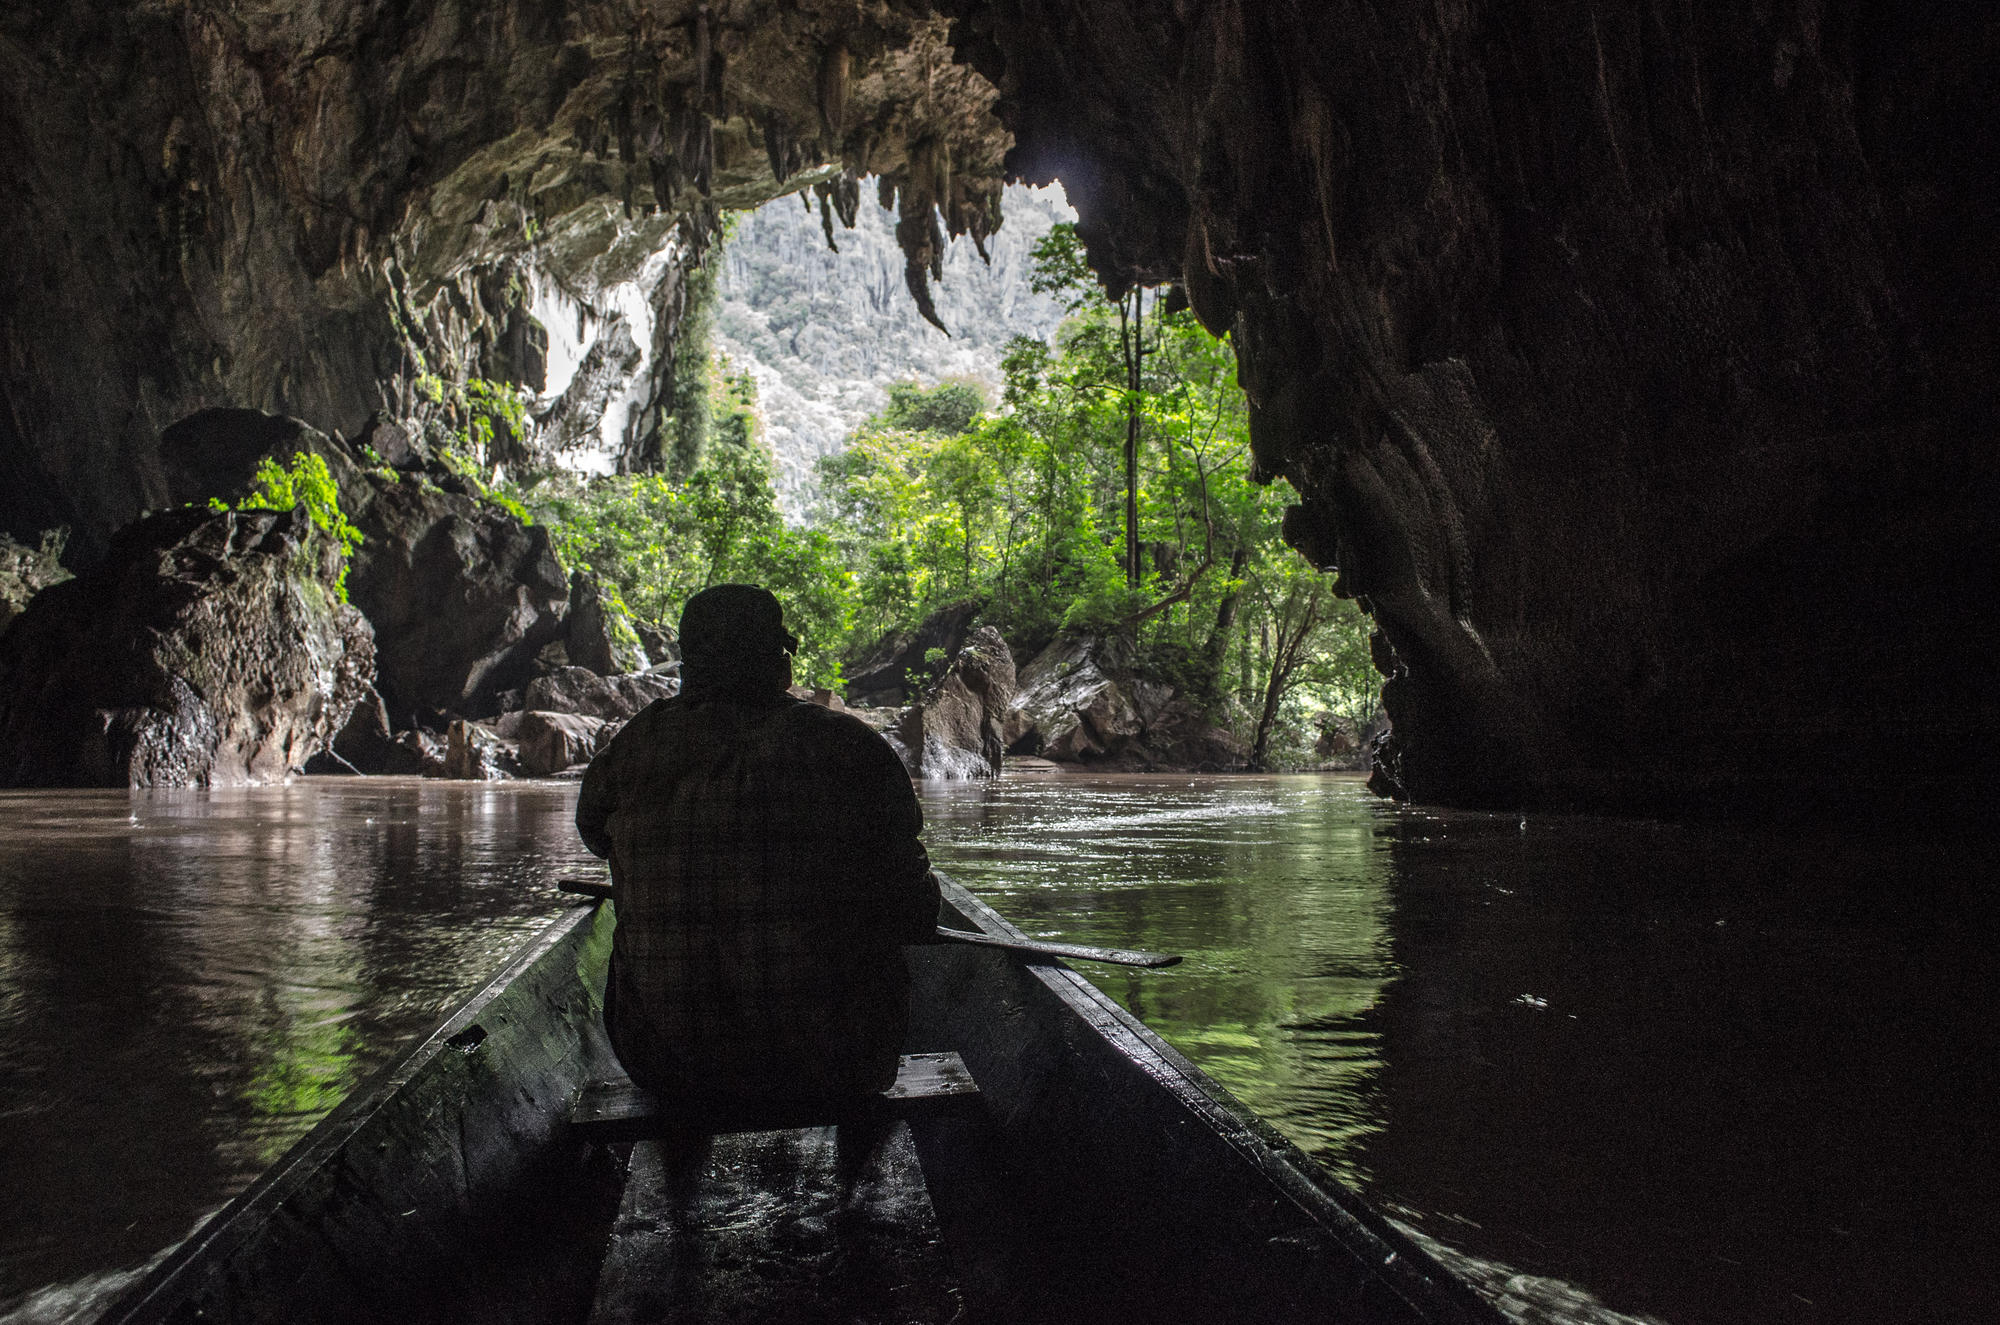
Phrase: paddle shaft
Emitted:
{"points": [[1077, 951]]}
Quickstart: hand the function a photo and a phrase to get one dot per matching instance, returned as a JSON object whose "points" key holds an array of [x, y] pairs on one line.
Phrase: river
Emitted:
{"points": [[1615, 1069]]}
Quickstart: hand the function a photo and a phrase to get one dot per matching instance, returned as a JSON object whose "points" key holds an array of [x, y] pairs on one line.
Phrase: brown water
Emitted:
{"points": [[1701, 1074], [1698, 1074], [190, 980]]}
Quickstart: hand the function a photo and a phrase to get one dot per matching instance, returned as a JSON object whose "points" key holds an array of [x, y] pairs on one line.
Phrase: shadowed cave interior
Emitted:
{"points": [[1636, 364]]}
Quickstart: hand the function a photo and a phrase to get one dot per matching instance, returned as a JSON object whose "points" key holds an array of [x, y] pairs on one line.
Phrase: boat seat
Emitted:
{"points": [[618, 1110]]}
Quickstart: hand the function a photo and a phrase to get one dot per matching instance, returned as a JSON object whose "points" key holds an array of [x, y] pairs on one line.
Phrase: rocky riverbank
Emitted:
{"points": [[228, 646], [1080, 703]]}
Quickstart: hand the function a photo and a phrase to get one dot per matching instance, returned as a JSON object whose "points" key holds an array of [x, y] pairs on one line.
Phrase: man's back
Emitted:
{"points": [[767, 868]]}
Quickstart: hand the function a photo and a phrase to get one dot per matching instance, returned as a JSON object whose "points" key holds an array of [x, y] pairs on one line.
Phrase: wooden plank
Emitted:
{"points": [[930, 1077], [617, 1110], [1017, 942], [815, 1226]]}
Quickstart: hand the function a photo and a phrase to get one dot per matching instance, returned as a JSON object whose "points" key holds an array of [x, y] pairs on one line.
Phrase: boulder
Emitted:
{"points": [[590, 640], [474, 752], [417, 753], [1080, 702], [461, 594], [365, 745], [206, 649], [956, 730], [662, 645], [889, 674], [580, 690], [26, 571], [552, 742], [1069, 706]]}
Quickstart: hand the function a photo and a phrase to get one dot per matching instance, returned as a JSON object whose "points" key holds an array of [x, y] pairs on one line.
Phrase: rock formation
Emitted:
{"points": [[552, 742], [207, 208], [955, 728], [461, 594], [1080, 702], [898, 665], [1636, 365], [26, 571], [205, 650], [613, 698]]}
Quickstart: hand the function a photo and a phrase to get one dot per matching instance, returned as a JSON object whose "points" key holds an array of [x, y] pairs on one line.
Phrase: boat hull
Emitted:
{"points": [[1102, 1176]]}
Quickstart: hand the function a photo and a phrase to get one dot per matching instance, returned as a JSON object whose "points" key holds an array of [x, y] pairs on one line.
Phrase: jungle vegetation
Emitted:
{"points": [[1107, 490]]}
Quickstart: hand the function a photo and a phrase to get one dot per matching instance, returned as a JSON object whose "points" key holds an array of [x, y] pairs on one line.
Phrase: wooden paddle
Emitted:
{"points": [[1077, 951]]}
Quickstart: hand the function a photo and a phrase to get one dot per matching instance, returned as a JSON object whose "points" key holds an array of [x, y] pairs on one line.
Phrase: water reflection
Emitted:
{"points": [[1698, 1074], [190, 980], [1707, 1075], [1275, 890]]}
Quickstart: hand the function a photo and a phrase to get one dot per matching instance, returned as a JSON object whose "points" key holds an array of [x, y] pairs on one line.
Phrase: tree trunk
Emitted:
{"points": [[1134, 347], [1225, 615]]}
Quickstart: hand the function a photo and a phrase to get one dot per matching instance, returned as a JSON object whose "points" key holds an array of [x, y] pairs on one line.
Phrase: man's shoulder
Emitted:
{"points": [[830, 724]]}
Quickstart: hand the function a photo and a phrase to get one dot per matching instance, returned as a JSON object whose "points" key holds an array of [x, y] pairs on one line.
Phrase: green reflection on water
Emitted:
{"points": [[310, 1063], [1273, 889]]}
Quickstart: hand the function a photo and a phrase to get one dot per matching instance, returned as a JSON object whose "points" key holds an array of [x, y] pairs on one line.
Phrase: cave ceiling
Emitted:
{"points": [[228, 201]]}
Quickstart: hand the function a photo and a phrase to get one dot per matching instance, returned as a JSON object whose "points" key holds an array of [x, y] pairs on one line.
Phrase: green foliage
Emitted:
{"points": [[1024, 510], [653, 541], [464, 419], [939, 498], [1062, 268], [306, 482], [948, 408]]}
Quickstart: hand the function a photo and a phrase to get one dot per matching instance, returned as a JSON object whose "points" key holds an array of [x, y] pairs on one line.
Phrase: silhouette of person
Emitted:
{"points": [[766, 870]]}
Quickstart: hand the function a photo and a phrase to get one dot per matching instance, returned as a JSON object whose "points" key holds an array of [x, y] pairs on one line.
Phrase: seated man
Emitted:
{"points": [[766, 871]]}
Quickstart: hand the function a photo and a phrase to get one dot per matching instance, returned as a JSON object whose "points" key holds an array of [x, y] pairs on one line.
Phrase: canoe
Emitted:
{"points": [[1096, 1175]]}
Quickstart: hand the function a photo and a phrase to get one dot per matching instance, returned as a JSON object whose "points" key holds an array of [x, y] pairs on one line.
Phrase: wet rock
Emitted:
{"points": [[1069, 706], [206, 649], [890, 673], [1182, 739], [661, 644], [956, 730], [1079, 702], [474, 752], [26, 571], [580, 690], [590, 641], [461, 594], [552, 742], [365, 745], [417, 753]]}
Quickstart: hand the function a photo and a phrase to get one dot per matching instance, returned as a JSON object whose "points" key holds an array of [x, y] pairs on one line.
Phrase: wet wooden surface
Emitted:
{"points": [[778, 1228]]}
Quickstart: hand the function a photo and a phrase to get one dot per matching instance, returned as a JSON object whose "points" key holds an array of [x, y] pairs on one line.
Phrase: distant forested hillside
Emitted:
{"points": [[825, 334]]}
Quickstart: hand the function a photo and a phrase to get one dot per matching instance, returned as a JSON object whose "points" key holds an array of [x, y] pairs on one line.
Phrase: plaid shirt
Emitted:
{"points": [[766, 870]]}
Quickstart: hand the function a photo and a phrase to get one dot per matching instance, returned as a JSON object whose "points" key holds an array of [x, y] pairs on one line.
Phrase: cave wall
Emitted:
{"points": [[215, 202], [1635, 361]]}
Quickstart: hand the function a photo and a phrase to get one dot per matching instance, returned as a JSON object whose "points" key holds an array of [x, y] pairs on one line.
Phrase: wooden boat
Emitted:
{"points": [[1097, 1175]]}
